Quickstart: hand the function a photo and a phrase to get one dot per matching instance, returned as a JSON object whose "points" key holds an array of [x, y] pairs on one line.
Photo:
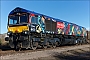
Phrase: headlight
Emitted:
{"points": [[9, 33], [25, 32], [32, 29]]}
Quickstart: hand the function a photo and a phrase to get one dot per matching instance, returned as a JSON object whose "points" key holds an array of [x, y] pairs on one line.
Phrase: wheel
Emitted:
{"points": [[46, 46], [34, 48], [55, 45], [79, 43], [18, 47], [35, 45]]}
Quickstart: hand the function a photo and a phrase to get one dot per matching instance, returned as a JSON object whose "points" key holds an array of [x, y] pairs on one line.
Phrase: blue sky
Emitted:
{"points": [[72, 11]]}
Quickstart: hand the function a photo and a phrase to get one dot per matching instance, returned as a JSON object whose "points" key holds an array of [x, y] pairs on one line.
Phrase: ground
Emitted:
{"points": [[75, 52], [78, 54]]}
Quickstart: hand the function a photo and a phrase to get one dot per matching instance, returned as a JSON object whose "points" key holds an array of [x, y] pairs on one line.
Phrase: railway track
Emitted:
{"points": [[11, 51]]}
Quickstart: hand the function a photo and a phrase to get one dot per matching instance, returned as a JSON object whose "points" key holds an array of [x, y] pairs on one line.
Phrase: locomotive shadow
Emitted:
{"points": [[5, 48], [74, 55]]}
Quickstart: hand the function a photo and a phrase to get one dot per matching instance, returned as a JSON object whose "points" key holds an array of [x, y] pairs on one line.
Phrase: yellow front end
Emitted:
{"points": [[18, 29]]}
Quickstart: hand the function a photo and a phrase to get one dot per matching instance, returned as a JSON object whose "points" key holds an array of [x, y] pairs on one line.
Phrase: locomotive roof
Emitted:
{"points": [[18, 9]]}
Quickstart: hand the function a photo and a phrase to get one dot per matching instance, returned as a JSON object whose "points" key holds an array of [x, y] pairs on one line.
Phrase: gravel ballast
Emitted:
{"points": [[49, 54]]}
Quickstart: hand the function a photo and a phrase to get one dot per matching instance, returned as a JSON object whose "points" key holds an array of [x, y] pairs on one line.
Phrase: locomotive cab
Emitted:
{"points": [[20, 27], [17, 23]]}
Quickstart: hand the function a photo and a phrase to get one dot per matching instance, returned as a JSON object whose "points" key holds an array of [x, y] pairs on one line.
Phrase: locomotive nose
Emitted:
{"points": [[18, 29]]}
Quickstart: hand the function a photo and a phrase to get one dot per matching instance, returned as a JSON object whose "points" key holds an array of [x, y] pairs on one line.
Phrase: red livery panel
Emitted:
{"points": [[60, 25]]}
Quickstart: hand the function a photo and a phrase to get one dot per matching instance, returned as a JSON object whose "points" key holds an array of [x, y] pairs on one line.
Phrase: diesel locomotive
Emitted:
{"points": [[30, 30]]}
